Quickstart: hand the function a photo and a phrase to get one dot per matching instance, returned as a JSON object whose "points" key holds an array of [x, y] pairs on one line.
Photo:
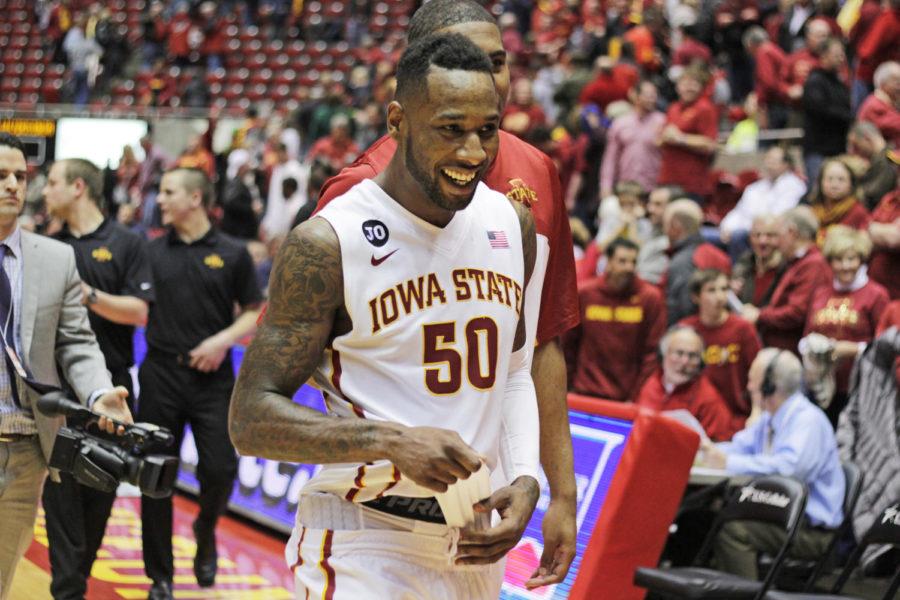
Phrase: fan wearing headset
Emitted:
{"points": [[793, 438]]}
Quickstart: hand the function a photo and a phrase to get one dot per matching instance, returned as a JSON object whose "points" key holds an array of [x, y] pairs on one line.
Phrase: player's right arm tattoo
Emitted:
{"points": [[306, 291]]}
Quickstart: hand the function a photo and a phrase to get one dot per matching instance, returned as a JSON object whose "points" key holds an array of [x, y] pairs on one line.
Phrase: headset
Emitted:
{"points": [[768, 387]]}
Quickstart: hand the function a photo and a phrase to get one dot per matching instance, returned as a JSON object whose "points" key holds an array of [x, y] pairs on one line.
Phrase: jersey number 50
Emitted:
{"points": [[439, 347]]}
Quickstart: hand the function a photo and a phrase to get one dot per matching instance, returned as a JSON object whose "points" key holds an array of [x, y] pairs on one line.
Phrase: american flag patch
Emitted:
{"points": [[498, 239]]}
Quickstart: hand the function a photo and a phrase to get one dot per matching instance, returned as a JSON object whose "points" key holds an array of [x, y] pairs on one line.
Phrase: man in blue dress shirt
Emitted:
{"points": [[794, 438]]}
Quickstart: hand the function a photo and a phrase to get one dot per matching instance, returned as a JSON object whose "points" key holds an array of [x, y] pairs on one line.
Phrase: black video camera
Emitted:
{"points": [[101, 460]]}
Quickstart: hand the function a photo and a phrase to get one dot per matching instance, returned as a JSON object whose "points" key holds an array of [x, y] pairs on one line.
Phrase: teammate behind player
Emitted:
{"points": [[528, 176], [424, 380]]}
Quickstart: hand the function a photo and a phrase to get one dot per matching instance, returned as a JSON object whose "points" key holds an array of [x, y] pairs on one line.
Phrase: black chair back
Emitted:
{"points": [[771, 499], [885, 530]]}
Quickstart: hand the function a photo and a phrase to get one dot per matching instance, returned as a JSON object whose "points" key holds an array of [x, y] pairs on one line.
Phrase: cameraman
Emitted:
{"points": [[200, 274], [43, 328], [116, 289]]}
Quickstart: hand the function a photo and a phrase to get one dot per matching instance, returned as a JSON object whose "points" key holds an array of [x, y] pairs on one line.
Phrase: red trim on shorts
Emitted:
{"points": [[330, 585], [299, 555], [358, 482], [396, 480], [336, 371]]}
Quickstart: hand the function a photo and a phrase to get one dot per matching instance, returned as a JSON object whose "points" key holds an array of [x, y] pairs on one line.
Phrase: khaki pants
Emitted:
{"points": [[22, 472], [738, 543]]}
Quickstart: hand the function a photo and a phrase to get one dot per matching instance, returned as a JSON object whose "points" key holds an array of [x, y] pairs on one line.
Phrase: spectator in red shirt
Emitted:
{"points": [[731, 341], [613, 350], [682, 384], [338, 147], [879, 45], [835, 200], [214, 36], [612, 83], [881, 107], [178, 36], [757, 273], [800, 63], [885, 233], [688, 140], [781, 322], [848, 309], [522, 115], [773, 92]]}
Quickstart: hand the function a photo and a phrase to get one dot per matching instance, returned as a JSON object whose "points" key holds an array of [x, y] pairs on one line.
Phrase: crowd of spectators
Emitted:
{"points": [[632, 102]]}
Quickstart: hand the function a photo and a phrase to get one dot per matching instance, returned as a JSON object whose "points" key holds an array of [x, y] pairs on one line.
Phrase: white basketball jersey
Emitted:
{"points": [[434, 314]]}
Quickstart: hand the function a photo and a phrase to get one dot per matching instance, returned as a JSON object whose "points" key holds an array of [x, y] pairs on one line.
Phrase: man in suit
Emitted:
{"points": [[44, 328]]}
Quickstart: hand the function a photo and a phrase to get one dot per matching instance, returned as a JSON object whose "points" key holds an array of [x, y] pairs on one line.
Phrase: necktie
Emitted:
{"points": [[7, 322], [770, 436]]}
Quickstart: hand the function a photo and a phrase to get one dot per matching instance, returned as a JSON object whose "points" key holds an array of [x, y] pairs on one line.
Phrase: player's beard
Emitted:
{"points": [[429, 184]]}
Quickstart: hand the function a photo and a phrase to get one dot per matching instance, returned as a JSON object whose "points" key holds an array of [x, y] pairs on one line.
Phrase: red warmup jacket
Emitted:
{"points": [[730, 350], [613, 350], [770, 85], [524, 174], [699, 397], [781, 323], [882, 115], [849, 316]]}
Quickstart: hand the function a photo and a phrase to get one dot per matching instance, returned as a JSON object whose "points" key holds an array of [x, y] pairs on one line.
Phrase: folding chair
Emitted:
{"points": [[885, 530], [798, 574], [768, 499]]}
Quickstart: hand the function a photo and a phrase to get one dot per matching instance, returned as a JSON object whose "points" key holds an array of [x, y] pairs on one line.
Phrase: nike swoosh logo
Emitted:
{"points": [[378, 261]]}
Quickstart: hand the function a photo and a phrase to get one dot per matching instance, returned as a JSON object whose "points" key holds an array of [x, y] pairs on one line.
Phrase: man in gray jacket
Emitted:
{"points": [[43, 328]]}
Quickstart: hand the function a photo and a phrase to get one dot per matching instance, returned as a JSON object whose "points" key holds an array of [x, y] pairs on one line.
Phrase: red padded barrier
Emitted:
{"points": [[642, 500]]}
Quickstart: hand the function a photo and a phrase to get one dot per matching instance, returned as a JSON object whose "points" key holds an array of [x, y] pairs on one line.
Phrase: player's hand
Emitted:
{"points": [[515, 503], [434, 458], [558, 527], [208, 355], [113, 408]]}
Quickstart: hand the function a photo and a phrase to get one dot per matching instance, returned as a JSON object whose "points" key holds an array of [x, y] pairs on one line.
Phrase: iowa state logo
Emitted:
{"points": [[521, 192]]}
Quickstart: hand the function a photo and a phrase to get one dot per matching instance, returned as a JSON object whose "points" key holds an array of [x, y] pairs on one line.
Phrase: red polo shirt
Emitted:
{"points": [[680, 165], [884, 266], [527, 175]]}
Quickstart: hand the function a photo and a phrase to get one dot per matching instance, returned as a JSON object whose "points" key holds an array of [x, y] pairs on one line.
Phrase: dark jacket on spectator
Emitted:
{"points": [[869, 427], [687, 256], [827, 114], [879, 179], [238, 219]]}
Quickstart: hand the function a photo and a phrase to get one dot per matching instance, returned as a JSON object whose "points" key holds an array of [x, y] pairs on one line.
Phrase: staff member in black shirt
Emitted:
{"points": [[116, 288], [199, 275]]}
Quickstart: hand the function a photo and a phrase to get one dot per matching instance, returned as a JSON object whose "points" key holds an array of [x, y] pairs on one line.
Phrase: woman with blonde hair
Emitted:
{"points": [[847, 311]]}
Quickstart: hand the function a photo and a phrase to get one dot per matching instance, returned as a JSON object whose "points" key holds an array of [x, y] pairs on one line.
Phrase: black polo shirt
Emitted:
{"points": [[197, 286], [114, 260]]}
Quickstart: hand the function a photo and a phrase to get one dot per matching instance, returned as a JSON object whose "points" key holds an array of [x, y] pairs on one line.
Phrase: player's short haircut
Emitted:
{"points": [[440, 14], [620, 242], [192, 180], [448, 51], [85, 170], [11, 141], [702, 277]]}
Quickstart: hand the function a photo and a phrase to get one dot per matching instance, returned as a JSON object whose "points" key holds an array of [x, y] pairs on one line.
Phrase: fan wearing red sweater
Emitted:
{"points": [[848, 309], [682, 384], [781, 322], [731, 341], [613, 350]]}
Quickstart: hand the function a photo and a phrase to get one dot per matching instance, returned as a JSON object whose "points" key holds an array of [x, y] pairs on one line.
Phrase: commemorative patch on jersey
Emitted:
{"points": [[376, 232]]}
